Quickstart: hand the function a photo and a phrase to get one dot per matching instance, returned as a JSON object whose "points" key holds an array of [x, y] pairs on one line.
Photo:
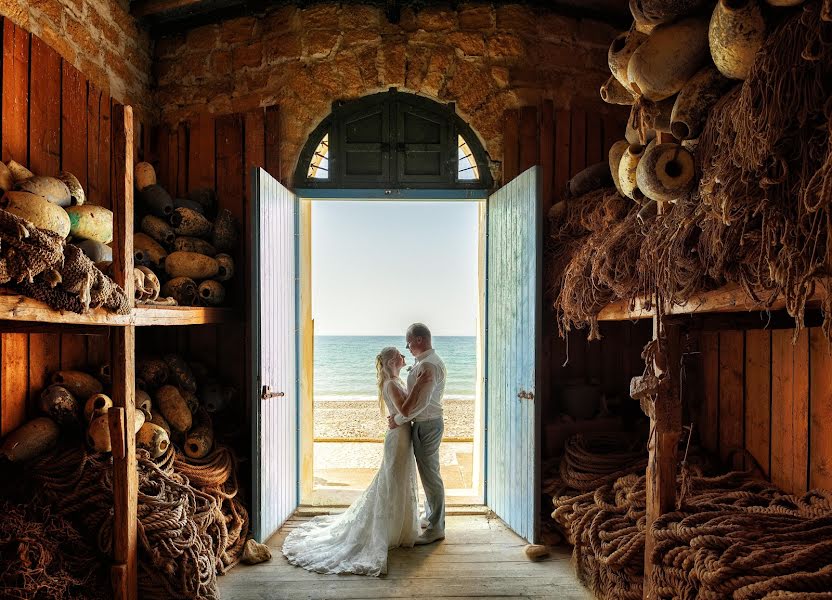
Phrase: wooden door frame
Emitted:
{"points": [[306, 325]]}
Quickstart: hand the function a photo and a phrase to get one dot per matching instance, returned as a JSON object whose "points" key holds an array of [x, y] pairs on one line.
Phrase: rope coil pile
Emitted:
{"points": [[190, 524], [732, 536]]}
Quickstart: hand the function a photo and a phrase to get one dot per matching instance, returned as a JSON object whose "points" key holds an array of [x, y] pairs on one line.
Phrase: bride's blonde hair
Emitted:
{"points": [[383, 374]]}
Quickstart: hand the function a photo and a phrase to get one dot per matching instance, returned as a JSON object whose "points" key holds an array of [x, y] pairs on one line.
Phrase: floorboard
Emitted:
{"points": [[480, 558]]}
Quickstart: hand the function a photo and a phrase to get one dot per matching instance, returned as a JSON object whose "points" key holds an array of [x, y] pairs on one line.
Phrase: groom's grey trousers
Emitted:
{"points": [[427, 435]]}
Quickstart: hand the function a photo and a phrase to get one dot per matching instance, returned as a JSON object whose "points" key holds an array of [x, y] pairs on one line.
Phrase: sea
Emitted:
{"points": [[345, 365]]}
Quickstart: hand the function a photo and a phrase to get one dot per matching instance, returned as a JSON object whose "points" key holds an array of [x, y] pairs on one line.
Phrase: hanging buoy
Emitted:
{"points": [[98, 434], [6, 178], [76, 191], [19, 172], [640, 22], [616, 152], [215, 397], [181, 289], [665, 172], [174, 408], [189, 222], [695, 99], [144, 176], [736, 32], [158, 229], [668, 58], [143, 401], [191, 264], [657, 115], [153, 371], [147, 251], [226, 270], [612, 92], [200, 438], [156, 200], [593, 177], [51, 188], [665, 11], [211, 292], [180, 372], [186, 243], [618, 56], [37, 210], [157, 419], [96, 405], [96, 251], [627, 172], [90, 222], [153, 438], [30, 440], [80, 384], [226, 231], [58, 403]]}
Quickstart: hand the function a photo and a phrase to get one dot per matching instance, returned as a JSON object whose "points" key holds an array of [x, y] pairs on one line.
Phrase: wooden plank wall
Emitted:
{"points": [[564, 142], [53, 119], [772, 397], [217, 152]]}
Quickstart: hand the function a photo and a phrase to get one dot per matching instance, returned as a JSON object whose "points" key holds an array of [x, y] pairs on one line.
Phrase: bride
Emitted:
{"points": [[386, 514]]}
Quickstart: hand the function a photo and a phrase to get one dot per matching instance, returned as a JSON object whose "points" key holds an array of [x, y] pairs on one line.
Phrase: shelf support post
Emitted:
{"points": [[665, 433], [123, 351]]}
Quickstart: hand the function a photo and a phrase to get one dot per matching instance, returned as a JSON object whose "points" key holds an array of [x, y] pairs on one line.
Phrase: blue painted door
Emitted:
{"points": [[274, 355], [513, 292]]}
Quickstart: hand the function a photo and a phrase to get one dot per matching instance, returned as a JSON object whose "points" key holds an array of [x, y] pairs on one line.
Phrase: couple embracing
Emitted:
{"points": [[386, 515]]}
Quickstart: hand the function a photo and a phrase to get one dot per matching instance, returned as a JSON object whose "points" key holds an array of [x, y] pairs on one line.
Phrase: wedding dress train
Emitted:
{"points": [[384, 516]]}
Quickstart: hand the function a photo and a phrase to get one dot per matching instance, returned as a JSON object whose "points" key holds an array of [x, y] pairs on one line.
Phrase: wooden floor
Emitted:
{"points": [[480, 558]]}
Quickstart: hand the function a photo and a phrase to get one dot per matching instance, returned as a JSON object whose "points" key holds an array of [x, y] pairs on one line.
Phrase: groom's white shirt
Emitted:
{"points": [[429, 405]]}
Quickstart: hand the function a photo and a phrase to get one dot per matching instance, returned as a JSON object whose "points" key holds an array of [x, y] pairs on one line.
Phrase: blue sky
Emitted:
{"points": [[379, 266]]}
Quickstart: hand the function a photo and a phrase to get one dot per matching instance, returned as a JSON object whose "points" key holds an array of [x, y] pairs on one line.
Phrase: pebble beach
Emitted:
{"points": [[361, 419]]}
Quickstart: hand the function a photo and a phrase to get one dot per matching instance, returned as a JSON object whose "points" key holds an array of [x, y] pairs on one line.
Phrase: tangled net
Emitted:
{"points": [[190, 524], [761, 215], [43, 557], [732, 536], [26, 251]]}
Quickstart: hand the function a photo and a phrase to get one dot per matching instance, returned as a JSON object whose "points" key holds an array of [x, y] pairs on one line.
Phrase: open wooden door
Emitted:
{"points": [[513, 315], [274, 355]]}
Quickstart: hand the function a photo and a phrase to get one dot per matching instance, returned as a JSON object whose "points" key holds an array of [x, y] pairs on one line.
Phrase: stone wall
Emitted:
{"points": [[485, 59], [99, 38]]}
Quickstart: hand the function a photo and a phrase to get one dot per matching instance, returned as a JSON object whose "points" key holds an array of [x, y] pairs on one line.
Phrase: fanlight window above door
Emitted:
{"points": [[393, 140], [319, 164]]}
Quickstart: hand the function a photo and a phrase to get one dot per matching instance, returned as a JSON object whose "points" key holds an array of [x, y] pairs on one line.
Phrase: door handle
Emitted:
{"points": [[268, 393]]}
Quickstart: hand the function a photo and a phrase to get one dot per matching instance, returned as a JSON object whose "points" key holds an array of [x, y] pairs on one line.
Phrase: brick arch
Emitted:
{"points": [[484, 58]]}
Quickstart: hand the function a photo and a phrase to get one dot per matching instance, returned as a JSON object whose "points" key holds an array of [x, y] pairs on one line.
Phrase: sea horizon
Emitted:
{"points": [[344, 365]]}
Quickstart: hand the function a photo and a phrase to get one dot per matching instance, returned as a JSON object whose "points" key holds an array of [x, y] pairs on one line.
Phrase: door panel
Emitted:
{"points": [[274, 351], [513, 289]]}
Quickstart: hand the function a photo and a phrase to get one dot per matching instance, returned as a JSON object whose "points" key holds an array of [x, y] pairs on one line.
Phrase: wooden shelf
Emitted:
{"points": [[730, 299], [183, 315], [22, 309]]}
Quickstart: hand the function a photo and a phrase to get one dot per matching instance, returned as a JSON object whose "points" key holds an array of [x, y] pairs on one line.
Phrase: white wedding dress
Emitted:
{"points": [[384, 516]]}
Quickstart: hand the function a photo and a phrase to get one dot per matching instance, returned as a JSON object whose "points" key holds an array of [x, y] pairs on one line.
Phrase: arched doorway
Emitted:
{"points": [[396, 146]]}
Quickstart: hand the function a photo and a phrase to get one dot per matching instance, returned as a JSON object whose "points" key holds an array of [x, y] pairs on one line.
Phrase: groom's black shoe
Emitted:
{"points": [[429, 536]]}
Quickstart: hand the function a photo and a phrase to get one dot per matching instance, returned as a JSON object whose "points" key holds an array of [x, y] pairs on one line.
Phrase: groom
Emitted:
{"points": [[425, 412]]}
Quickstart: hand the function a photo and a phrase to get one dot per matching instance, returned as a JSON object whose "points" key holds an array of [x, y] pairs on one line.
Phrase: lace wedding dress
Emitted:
{"points": [[384, 516]]}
